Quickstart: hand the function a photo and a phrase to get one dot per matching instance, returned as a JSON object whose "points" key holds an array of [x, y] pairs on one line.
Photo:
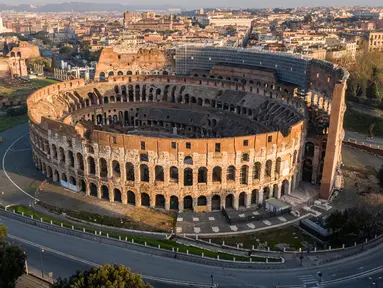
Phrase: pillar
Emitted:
{"points": [[167, 203]]}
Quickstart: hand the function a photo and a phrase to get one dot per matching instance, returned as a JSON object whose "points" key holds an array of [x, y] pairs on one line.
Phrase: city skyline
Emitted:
{"points": [[212, 4]]}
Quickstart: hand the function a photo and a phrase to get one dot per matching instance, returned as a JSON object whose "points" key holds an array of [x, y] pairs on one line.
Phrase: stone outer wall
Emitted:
{"points": [[186, 174], [250, 182]]}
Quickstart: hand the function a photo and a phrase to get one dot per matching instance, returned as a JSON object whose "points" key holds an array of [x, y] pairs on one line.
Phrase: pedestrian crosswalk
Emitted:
{"points": [[308, 279]]}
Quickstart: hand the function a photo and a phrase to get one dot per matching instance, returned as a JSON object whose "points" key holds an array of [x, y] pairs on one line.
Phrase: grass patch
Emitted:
{"points": [[17, 88], [164, 244], [290, 235], [117, 222], [360, 122], [9, 122]]}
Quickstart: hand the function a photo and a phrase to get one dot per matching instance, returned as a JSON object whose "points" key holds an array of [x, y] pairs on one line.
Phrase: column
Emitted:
{"points": [[111, 194], [138, 198], [208, 203], [87, 190], [99, 193], [248, 200], [279, 191], [152, 200], [235, 202], [180, 204], [167, 203], [124, 196], [260, 196]]}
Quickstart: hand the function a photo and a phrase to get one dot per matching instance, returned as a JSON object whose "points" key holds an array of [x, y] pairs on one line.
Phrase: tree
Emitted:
{"points": [[111, 276], [54, 61], [66, 50], [12, 261]]}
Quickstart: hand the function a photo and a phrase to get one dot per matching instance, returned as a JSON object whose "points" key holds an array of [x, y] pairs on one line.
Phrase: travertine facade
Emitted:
{"points": [[198, 142]]}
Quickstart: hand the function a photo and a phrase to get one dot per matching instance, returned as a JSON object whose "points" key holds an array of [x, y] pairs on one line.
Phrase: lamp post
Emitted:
{"points": [[41, 262], [212, 280]]}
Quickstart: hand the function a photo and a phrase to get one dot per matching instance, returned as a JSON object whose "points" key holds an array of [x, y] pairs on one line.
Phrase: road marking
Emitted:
{"points": [[5, 171], [360, 268], [30, 243]]}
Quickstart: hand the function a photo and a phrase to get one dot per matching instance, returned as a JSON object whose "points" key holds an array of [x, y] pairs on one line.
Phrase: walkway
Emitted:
{"points": [[190, 223]]}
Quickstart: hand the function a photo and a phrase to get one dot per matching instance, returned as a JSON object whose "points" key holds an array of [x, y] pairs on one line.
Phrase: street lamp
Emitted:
{"points": [[212, 280], [41, 262], [320, 276]]}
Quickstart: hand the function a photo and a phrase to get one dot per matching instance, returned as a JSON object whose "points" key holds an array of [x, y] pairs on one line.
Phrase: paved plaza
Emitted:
{"points": [[215, 223]]}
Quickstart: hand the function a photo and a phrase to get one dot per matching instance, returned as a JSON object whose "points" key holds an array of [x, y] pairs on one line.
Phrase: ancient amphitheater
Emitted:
{"points": [[229, 128]]}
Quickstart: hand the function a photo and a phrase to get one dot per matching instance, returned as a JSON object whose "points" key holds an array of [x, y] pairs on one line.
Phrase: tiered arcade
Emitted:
{"points": [[229, 137]]}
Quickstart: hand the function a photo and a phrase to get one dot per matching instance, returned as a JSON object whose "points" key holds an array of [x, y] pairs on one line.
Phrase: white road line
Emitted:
{"points": [[5, 171], [190, 284]]}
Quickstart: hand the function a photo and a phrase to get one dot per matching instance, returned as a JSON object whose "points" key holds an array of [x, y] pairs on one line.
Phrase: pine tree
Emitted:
{"points": [[54, 62]]}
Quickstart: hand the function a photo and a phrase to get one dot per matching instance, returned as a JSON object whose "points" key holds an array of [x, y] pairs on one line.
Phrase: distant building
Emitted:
{"points": [[373, 41]]}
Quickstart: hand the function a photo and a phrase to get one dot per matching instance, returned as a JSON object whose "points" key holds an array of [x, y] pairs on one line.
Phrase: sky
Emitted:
{"points": [[217, 3]]}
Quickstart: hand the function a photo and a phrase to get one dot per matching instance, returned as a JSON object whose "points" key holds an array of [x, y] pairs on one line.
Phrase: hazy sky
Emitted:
{"points": [[217, 3]]}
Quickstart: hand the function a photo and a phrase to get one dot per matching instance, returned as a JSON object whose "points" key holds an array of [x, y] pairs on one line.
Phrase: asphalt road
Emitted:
{"points": [[63, 254]]}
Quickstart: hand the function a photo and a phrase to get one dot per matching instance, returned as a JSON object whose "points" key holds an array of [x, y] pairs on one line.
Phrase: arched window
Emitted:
{"points": [[244, 174], [257, 171], [188, 177], [202, 175], [230, 175], [116, 169], [103, 168], [309, 149], [188, 160], [268, 168], [174, 174], [217, 174], [144, 172], [159, 173], [245, 157], [129, 171]]}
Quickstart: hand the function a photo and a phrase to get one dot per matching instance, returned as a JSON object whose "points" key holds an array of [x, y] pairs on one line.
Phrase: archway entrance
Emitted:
{"points": [[188, 203], [216, 203], [229, 201], [174, 203]]}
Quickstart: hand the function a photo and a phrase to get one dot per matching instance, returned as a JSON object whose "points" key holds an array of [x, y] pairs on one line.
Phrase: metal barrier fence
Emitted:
{"points": [[143, 248]]}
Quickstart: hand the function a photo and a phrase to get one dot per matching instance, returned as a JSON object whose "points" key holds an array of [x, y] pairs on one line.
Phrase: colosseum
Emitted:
{"points": [[228, 128]]}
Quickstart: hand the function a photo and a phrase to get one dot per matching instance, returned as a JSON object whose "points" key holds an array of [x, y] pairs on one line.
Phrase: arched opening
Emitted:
{"points": [[268, 168], [285, 187], [188, 177], [106, 100], [111, 74], [174, 174], [160, 201], [54, 151], [216, 203], [120, 73], [229, 201], [129, 171], [307, 170], [266, 193], [105, 192], [159, 173], [93, 189], [145, 200], [144, 172], [63, 177], [230, 175], [56, 176], [257, 171], [61, 155], [244, 174], [72, 181], [242, 200], [82, 186], [254, 197], [201, 201], [275, 191], [131, 198], [80, 161], [116, 169], [217, 174], [102, 76], [278, 165], [188, 203], [188, 160], [309, 149], [202, 175], [91, 166], [103, 168], [173, 203], [117, 195]]}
